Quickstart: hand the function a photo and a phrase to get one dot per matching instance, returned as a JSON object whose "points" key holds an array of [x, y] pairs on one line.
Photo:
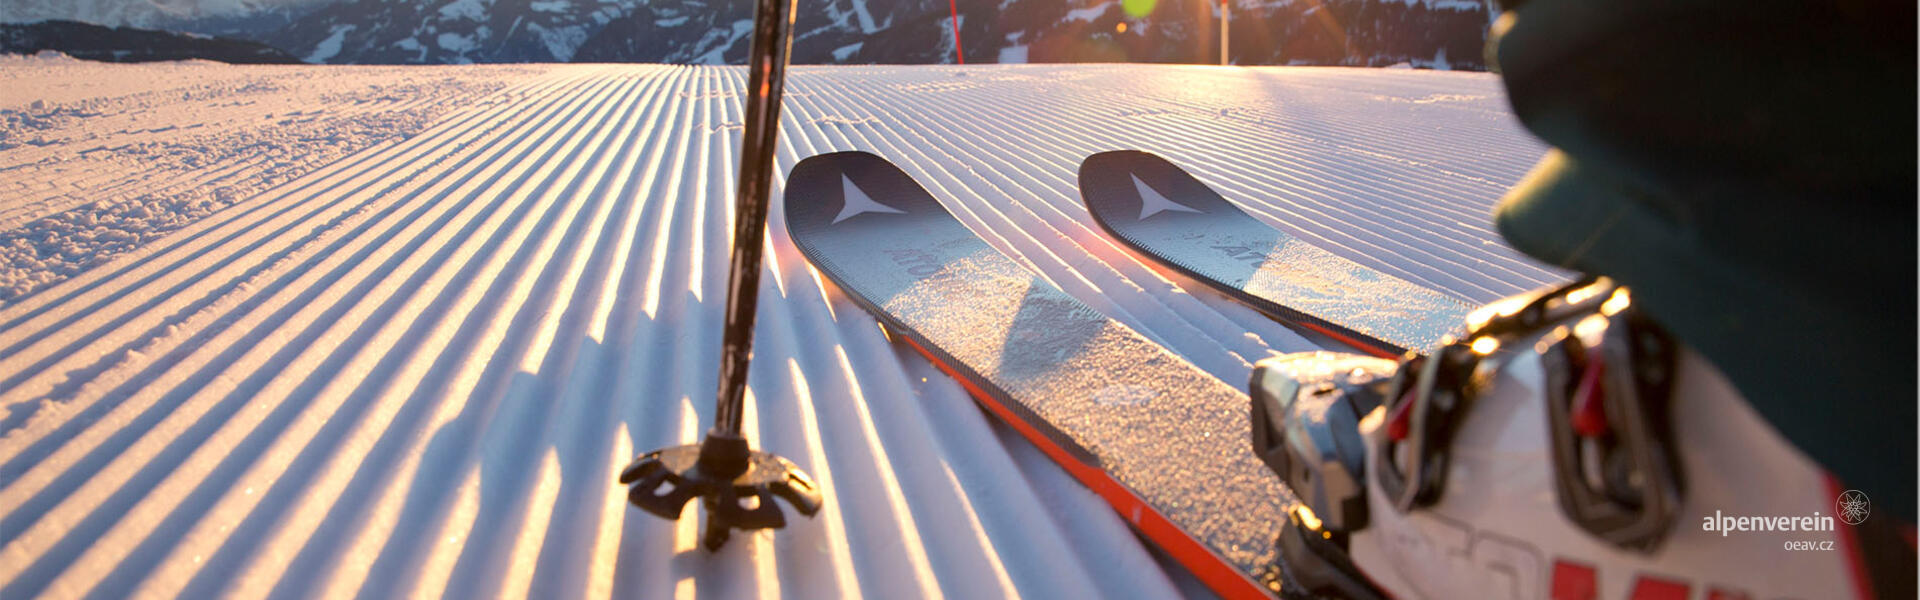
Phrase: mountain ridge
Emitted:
{"points": [[1447, 34], [131, 44]]}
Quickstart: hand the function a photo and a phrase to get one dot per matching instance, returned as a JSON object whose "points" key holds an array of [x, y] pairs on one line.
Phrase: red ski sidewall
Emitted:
{"points": [[1209, 567]]}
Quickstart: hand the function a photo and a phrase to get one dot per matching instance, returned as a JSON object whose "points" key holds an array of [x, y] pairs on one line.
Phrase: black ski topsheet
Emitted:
{"points": [[1165, 213], [1162, 441]]}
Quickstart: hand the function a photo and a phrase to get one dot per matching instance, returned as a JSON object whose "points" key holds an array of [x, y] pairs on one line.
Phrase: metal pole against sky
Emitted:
{"points": [[954, 8], [1224, 20]]}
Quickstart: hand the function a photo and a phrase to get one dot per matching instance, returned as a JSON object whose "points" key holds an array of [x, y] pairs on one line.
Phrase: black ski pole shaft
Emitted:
{"points": [[766, 75], [735, 483]]}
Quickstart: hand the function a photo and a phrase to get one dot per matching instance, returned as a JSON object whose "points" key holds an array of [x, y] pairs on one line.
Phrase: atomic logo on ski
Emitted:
{"points": [[1160, 440], [1226, 248], [1152, 203], [857, 203]]}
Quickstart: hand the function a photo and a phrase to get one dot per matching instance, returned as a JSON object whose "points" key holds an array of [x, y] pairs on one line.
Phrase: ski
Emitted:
{"points": [[1161, 211], [1163, 442]]}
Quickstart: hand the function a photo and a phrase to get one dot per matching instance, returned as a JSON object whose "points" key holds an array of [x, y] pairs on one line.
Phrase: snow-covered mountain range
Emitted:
{"points": [[128, 44], [1438, 33], [199, 16], [449, 31], [1350, 32]]}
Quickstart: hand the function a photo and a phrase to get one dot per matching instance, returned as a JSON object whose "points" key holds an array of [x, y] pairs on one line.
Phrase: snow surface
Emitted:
{"points": [[472, 10], [415, 368], [561, 42], [867, 25], [1089, 13], [1013, 55], [843, 52], [99, 159], [330, 47]]}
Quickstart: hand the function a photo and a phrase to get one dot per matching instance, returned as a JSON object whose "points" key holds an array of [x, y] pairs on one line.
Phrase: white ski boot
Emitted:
{"points": [[1565, 448]]}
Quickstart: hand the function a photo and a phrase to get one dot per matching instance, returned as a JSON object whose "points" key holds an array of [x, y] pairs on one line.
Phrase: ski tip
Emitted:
{"points": [[826, 165], [1103, 165], [848, 188], [1122, 188], [1104, 160]]}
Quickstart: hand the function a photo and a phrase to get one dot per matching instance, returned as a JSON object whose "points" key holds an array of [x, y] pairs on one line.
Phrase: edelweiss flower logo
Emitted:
{"points": [[1852, 506]]}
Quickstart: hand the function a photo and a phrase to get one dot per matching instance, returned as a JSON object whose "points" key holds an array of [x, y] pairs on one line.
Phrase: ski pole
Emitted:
{"points": [[736, 484]]}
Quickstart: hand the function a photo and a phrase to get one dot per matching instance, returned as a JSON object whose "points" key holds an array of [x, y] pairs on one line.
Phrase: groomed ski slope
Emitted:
{"points": [[99, 159], [416, 370]]}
